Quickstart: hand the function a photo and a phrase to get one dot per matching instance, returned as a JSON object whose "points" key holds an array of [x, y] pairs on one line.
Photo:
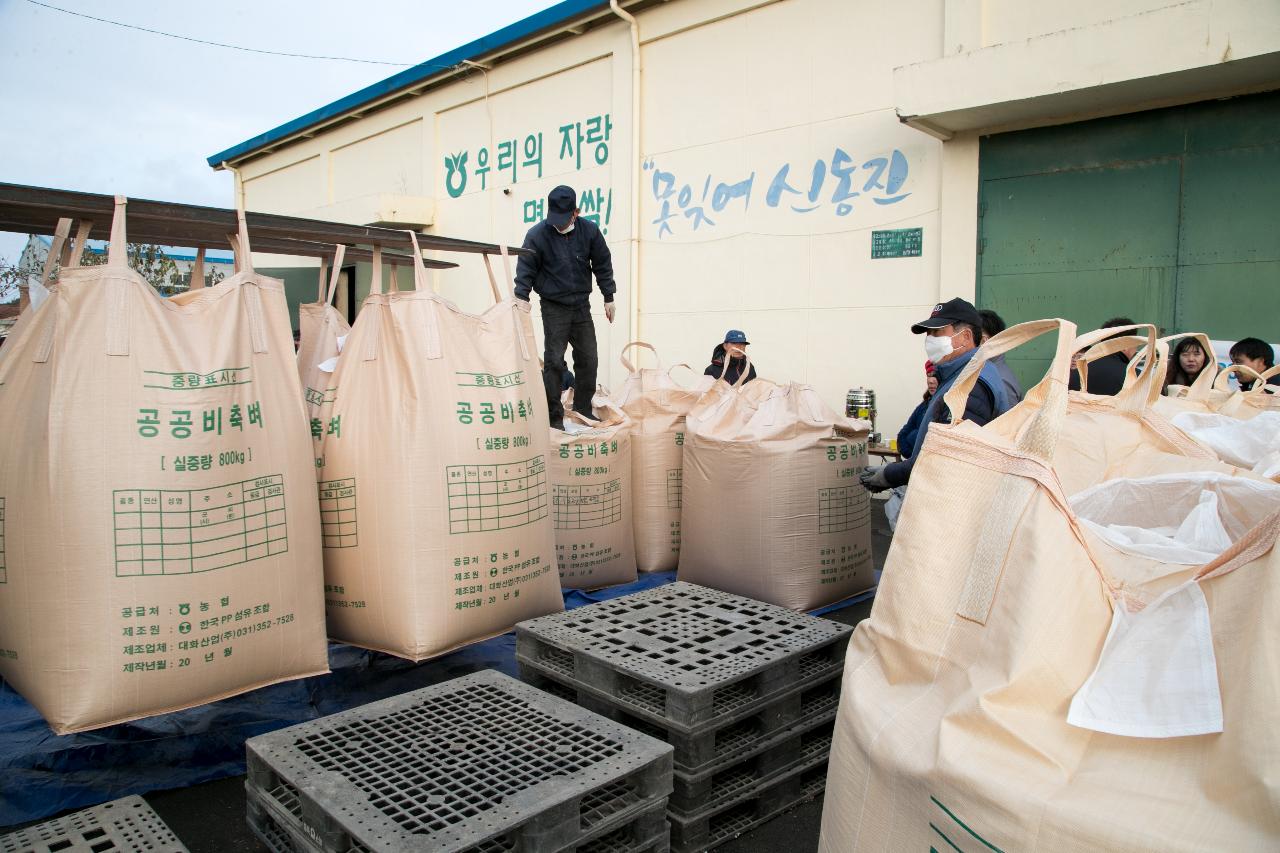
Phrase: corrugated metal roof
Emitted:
{"points": [[555, 17]]}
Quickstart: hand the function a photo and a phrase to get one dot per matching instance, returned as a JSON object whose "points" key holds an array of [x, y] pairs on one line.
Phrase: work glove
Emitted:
{"points": [[608, 311], [873, 480]]}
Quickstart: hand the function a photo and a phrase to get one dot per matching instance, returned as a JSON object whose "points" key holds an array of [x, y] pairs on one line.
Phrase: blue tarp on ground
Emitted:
{"points": [[42, 774]]}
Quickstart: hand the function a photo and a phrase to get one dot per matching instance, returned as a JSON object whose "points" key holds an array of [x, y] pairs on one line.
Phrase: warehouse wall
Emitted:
{"points": [[771, 151]]}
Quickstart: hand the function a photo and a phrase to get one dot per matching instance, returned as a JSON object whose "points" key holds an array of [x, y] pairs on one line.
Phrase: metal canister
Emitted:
{"points": [[861, 403]]}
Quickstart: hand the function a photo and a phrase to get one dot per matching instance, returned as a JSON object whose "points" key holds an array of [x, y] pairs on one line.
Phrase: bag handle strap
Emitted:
{"points": [[1220, 382], [393, 282], [60, 234], [641, 345], [50, 261], [322, 279], [506, 266], [117, 285], [243, 260], [1138, 391], [1082, 361], [76, 253], [746, 369], [1040, 438], [335, 273], [1037, 442], [237, 263], [671, 370], [375, 287], [197, 270], [493, 281], [434, 350], [1245, 550]]}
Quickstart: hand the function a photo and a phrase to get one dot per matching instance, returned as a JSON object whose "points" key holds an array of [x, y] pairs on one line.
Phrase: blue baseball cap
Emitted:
{"points": [[736, 336]]}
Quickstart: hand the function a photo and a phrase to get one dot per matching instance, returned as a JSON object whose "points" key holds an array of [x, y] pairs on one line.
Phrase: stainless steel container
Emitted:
{"points": [[861, 403]]}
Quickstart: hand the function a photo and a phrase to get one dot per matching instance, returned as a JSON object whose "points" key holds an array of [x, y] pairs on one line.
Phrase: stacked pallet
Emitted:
{"points": [[125, 824], [481, 764], [746, 693]]}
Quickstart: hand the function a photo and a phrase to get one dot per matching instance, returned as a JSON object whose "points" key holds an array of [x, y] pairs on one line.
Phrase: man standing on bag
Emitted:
{"points": [[952, 333], [566, 252]]}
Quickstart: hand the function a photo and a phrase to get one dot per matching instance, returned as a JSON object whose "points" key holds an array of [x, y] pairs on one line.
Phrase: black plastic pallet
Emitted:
{"points": [[647, 833], [480, 763], [685, 655], [120, 826], [711, 748], [800, 745], [712, 827]]}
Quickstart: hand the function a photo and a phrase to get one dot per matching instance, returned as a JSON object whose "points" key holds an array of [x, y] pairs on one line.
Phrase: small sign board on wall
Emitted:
{"points": [[897, 243]]}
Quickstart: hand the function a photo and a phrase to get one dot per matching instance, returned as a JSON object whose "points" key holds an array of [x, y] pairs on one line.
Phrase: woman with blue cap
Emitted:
{"points": [[734, 349]]}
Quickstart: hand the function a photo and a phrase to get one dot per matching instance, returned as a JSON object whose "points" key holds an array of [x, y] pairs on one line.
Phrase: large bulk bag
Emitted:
{"points": [[591, 497], [773, 509], [160, 532], [992, 614], [656, 405], [322, 330], [434, 496]]}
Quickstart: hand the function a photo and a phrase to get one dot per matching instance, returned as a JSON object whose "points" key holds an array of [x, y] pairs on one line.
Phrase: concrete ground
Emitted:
{"points": [[210, 818]]}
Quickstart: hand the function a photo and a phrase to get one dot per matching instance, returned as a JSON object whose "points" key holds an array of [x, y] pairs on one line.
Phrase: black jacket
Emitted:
{"points": [[716, 367], [981, 408], [560, 268], [1247, 385], [1106, 375]]}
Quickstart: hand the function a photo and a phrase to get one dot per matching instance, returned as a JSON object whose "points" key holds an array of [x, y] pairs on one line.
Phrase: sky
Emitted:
{"points": [[98, 108]]}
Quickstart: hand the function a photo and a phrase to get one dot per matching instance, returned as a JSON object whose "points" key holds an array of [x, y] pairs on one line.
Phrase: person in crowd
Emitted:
{"points": [[565, 251], [952, 332], [1256, 354], [734, 348], [1187, 362], [1106, 375], [992, 325], [907, 435]]}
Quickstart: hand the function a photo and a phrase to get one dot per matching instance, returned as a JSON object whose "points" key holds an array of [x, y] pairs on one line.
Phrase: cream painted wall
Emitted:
{"points": [[734, 91], [803, 86]]}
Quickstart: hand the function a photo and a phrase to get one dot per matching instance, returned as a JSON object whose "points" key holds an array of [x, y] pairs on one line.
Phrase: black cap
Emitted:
{"points": [[946, 313], [561, 203]]}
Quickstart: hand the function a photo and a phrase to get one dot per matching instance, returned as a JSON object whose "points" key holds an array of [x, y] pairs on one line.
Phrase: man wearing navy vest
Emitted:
{"points": [[952, 332]]}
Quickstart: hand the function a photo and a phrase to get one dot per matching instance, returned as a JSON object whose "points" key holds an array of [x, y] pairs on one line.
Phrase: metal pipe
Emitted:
{"points": [[634, 275]]}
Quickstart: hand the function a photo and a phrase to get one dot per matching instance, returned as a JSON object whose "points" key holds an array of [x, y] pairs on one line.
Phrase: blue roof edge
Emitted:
{"points": [[537, 22]]}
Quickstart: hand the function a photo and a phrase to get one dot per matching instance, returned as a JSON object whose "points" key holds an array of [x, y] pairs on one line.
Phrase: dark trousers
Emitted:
{"points": [[562, 326]]}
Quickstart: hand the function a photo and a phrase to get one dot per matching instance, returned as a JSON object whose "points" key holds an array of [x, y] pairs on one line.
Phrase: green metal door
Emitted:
{"points": [[1169, 216]]}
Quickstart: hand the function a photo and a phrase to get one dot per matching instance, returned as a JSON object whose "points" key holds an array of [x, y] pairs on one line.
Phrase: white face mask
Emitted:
{"points": [[567, 228], [937, 348]]}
